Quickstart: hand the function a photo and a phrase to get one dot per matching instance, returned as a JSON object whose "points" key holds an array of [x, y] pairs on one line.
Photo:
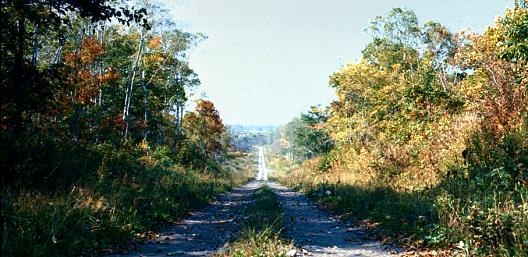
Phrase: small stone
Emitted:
{"points": [[291, 252]]}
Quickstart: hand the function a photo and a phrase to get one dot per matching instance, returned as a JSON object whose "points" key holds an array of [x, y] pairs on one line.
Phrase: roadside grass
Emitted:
{"points": [[261, 235], [390, 215], [480, 209], [479, 224], [119, 195]]}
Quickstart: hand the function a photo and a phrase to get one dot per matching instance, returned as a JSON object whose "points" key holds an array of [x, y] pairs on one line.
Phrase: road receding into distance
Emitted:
{"points": [[315, 232]]}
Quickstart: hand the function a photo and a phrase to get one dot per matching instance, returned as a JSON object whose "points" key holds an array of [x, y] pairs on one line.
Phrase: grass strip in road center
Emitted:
{"points": [[261, 234]]}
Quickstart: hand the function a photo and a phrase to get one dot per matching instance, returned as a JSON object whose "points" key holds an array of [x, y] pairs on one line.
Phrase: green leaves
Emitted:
{"points": [[514, 46], [399, 26], [307, 137]]}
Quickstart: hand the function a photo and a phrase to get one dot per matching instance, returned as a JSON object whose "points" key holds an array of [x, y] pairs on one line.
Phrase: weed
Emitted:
{"points": [[261, 235]]}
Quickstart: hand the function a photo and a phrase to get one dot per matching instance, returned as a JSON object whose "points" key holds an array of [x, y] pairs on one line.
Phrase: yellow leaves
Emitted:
{"points": [[358, 78], [110, 75], [493, 87], [421, 112], [154, 42], [156, 59], [284, 143], [314, 109], [473, 88], [144, 145]]}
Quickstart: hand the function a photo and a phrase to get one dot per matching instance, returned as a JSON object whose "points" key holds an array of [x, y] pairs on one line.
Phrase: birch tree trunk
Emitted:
{"points": [[145, 103], [36, 48], [130, 86], [99, 101]]}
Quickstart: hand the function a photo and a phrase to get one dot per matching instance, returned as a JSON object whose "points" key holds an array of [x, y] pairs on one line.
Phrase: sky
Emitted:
{"points": [[266, 61]]}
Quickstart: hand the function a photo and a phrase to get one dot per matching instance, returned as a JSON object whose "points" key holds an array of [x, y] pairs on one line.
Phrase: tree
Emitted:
{"points": [[306, 136], [204, 128], [90, 72], [24, 25], [395, 39], [497, 62], [311, 137]]}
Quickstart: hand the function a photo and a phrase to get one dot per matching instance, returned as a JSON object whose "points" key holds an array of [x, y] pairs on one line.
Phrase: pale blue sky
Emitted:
{"points": [[266, 61]]}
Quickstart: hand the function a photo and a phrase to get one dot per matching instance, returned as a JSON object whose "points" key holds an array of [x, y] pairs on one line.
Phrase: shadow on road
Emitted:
{"points": [[202, 233]]}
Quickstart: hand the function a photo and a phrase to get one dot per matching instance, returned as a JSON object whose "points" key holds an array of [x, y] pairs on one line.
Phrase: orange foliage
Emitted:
{"points": [[91, 49], [84, 77], [154, 42], [205, 125]]}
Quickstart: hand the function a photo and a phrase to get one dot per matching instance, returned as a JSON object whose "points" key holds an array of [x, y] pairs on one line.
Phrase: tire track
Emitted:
{"points": [[317, 233], [205, 232]]}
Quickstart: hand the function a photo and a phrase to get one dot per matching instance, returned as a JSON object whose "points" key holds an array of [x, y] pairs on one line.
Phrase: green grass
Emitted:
{"points": [[119, 195], [261, 235]]}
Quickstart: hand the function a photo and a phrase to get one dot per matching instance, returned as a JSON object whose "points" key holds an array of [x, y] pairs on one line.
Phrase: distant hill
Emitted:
{"points": [[238, 128], [245, 137]]}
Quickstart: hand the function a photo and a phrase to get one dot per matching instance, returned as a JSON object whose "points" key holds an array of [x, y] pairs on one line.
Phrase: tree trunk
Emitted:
{"points": [[100, 96], [36, 49], [130, 87], [58, 52], [145, 102], [19, 55]]}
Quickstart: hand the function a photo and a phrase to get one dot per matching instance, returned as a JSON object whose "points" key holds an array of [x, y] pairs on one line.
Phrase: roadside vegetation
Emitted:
{"points": [[117, 196], [428, 138], [96, 145], [261, 233]]}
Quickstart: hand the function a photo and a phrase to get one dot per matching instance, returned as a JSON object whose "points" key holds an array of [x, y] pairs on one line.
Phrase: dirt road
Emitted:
{"points": [[204, 232], [314, 231], [318, 233]]}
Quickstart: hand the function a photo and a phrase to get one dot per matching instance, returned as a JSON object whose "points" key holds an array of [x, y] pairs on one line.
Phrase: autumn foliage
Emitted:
{"points": [[431, 136], [92, 128], [205, 126]]}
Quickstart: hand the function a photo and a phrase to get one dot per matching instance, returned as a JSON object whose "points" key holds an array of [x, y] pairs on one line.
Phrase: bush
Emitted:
{"points": [[485, 204], [98, 198]]}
